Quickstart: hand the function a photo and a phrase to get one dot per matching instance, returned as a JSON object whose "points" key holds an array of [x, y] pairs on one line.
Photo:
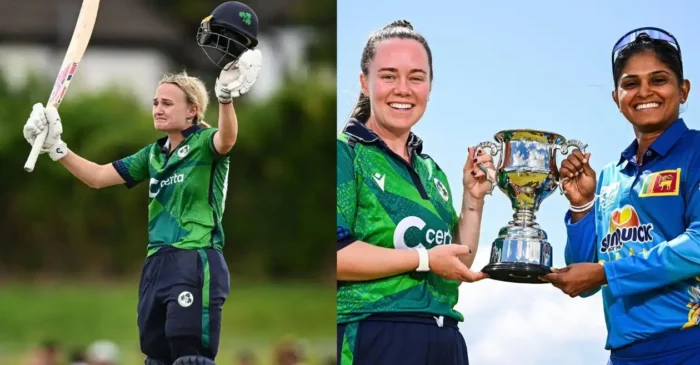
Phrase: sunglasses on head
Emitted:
{"points": [[641, 34]]}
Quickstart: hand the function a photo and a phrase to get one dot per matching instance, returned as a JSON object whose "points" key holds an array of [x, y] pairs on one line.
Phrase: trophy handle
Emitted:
{"points": [[564, 149], [493, 149]]}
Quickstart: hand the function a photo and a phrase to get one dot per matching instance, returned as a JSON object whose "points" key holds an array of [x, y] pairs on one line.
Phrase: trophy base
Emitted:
{"points": [[516, 272]]}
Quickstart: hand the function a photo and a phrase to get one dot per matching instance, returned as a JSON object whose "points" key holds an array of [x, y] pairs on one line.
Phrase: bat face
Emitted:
{"points": [[74, 54], [61, 84], [76, 49]]}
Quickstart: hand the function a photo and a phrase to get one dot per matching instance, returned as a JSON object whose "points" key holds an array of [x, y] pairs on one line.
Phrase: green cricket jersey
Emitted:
{"points": [[384, 201], [187, 190]]}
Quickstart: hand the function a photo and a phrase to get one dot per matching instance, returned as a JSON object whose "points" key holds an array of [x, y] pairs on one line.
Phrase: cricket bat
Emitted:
{"points": [[76, 49]]}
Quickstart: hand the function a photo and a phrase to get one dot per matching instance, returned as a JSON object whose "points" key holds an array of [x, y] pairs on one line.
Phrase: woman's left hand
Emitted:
{"points": [[476, 185], [576, 279]]}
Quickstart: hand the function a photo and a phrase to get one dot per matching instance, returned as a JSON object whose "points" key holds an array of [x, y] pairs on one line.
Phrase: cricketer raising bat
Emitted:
{"points": [[76, 48]]}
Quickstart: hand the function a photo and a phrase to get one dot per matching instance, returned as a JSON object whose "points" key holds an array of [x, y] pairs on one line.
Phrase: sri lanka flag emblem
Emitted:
{"points": [[661, 183]]}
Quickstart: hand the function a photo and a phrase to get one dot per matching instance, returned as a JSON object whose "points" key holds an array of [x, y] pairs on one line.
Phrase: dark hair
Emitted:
{"points": [[401, 29], [666, 53]]}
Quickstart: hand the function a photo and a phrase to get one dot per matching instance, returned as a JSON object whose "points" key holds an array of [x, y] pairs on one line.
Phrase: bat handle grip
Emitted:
{"points": [[36, 149]]}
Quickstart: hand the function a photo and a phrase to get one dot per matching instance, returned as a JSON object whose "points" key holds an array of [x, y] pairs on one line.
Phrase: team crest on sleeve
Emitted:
{"points": [[661, 183], [442, 189], [183, 151], [185, 299]]}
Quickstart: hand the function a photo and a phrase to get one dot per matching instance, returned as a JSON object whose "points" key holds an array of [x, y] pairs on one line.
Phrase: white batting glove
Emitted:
{"points": [[40, 119], [222, 92], [35, 125], [250, 65], [240, 78], [58, 149]]}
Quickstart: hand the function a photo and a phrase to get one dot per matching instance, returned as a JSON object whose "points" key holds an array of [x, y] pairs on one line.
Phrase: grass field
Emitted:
{"points": [[254, 318]]}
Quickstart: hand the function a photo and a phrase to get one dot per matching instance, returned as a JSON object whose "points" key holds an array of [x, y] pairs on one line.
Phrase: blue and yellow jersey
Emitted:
{"points": [[645, 229]]}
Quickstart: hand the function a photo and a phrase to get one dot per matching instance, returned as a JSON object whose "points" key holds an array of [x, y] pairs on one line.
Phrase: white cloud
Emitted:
{"points": [[530, 324]]}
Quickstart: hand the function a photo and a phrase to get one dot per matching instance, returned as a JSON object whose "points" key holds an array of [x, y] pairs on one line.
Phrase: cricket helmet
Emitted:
{"points": [[230, 30]]}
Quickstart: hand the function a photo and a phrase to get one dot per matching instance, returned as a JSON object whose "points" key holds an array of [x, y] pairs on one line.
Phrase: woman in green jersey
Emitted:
{"points": [[402, 250], [185, 279]]}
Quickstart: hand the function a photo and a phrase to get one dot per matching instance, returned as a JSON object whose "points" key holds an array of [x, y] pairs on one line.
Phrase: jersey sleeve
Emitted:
{"points": [[346, 195], [135, 168], [581, 239], [207, 141], [669, 261]]}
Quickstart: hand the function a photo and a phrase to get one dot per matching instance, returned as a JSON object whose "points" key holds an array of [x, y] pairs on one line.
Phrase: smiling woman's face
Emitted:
{"points": [[649, 94], [398, 84]]}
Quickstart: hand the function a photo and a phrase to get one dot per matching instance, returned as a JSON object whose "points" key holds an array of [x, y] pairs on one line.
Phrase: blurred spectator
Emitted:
{"points": [[289, 352], [77, 357], [103, 352], [45, 354], [245, 358]]}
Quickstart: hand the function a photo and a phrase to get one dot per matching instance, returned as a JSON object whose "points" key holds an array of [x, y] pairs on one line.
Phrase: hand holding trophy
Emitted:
{"points": [[527, 173], [479, 175], [578, 179]]}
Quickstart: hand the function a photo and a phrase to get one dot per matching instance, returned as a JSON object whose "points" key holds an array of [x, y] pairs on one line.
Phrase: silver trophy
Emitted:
{"points": [[527, 172]]}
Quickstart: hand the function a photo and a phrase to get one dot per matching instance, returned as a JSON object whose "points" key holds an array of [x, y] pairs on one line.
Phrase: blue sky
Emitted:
{"points": [[514, 64]]}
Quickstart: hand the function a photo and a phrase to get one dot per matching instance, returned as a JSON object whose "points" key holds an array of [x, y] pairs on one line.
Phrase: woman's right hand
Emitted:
{"points": [[580, 179], [444, 261]]}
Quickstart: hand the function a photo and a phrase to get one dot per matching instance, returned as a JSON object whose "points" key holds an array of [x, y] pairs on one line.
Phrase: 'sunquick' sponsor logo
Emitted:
{"points": [[625, 227]]}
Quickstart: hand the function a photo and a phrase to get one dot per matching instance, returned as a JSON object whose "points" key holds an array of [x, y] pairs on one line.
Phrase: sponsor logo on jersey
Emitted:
{"points": [[625, 226], [661, 183], [429, 237], [155, 184]]}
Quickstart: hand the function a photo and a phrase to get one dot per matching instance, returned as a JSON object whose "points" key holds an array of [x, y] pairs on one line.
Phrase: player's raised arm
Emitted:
{"points": [[229, 37], [93, 175], [232, 83]]}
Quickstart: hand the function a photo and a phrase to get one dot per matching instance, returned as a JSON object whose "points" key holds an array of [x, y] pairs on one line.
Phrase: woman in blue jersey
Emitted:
{"points": [[402, 248], [634, 231]]}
